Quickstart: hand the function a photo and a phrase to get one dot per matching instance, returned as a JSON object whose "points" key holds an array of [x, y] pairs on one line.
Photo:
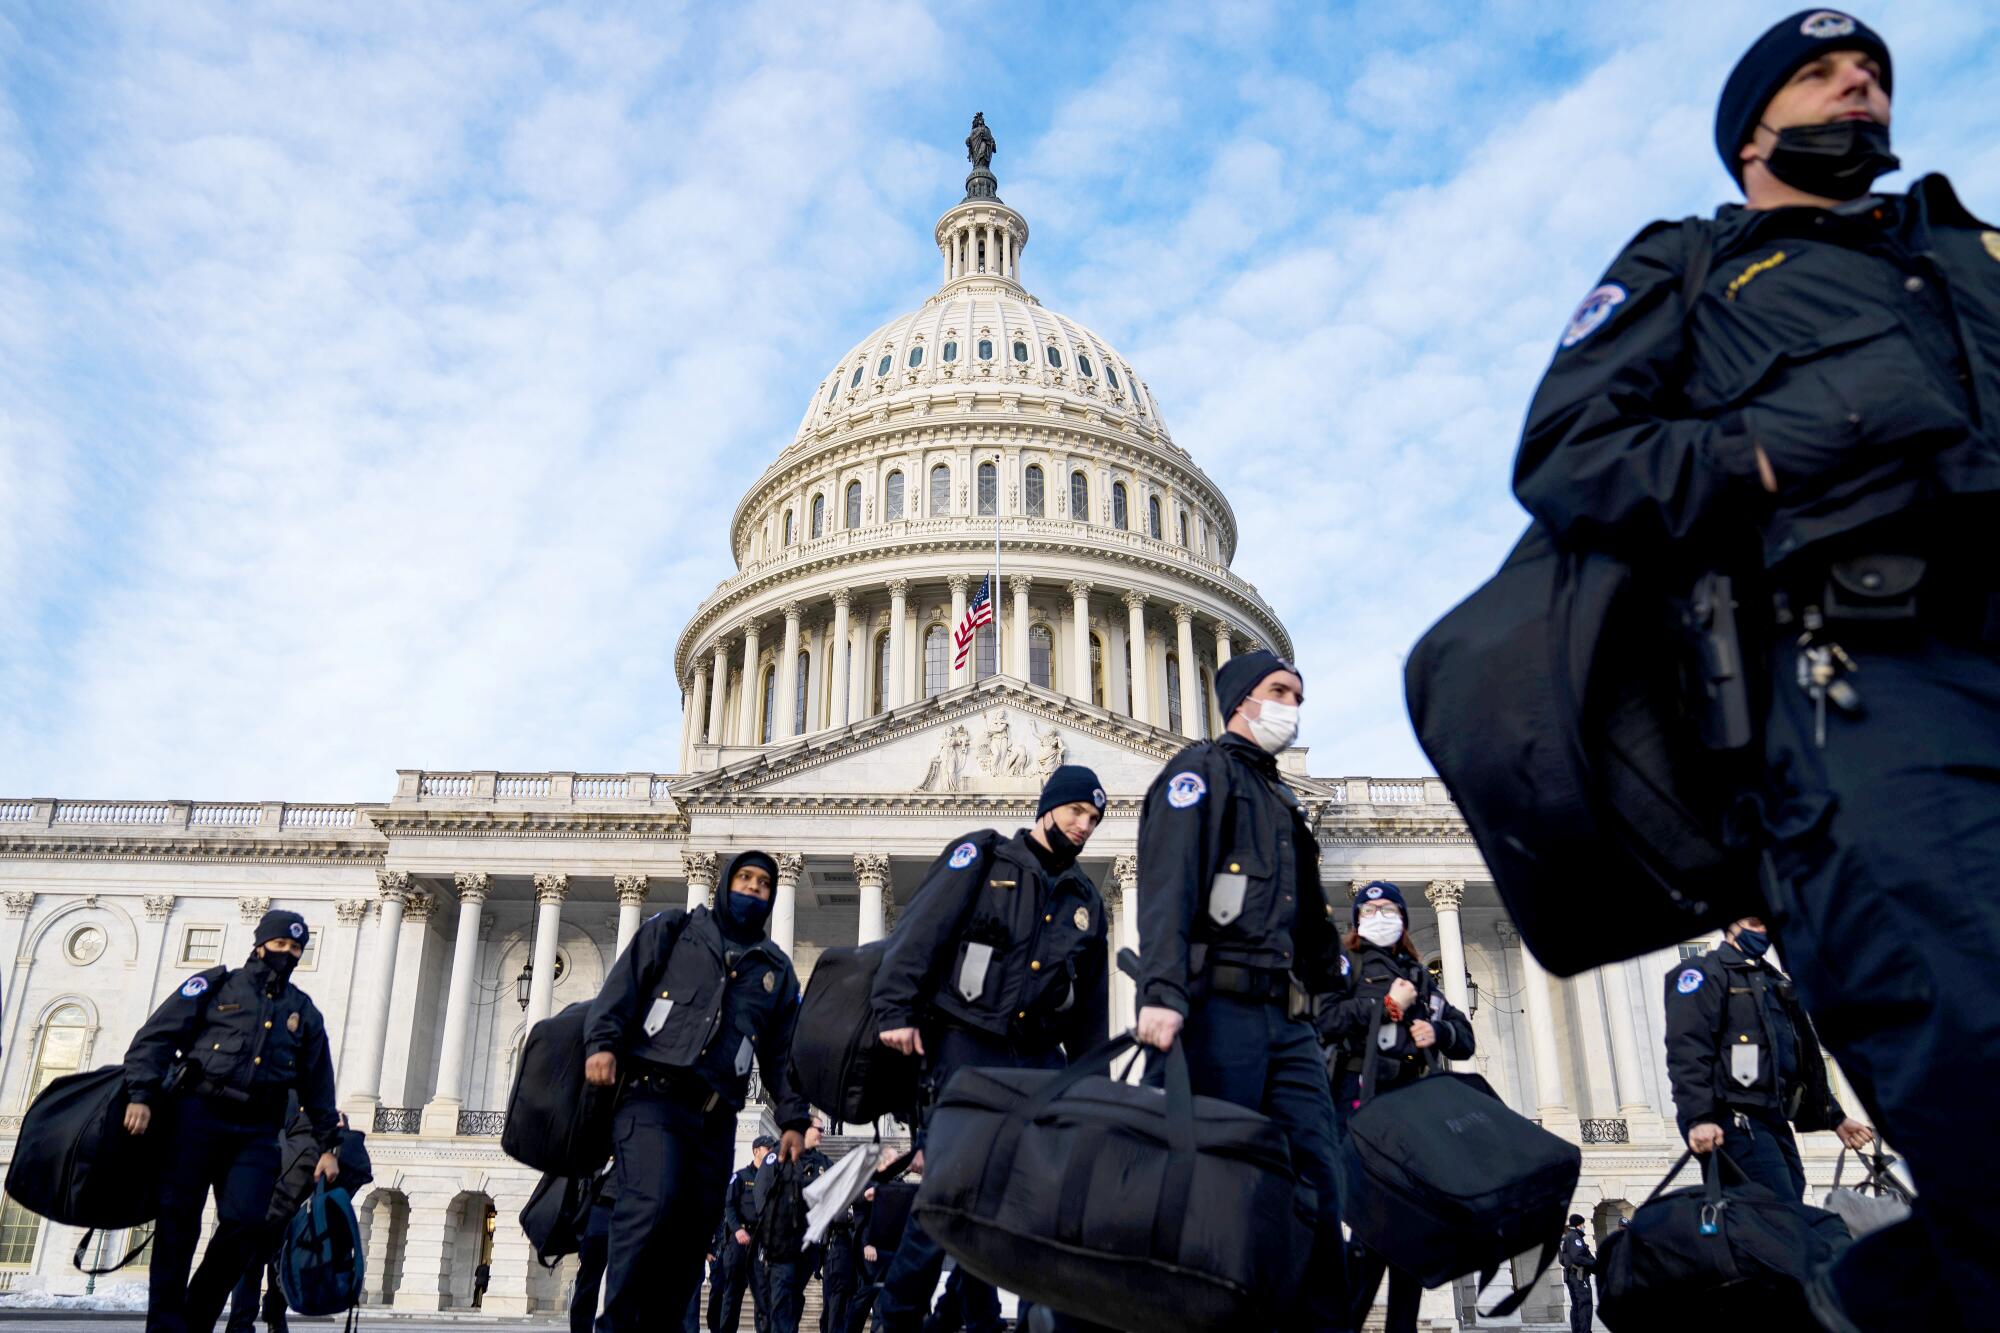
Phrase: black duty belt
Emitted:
{"points": [[1265, 985], [678, 1085]]}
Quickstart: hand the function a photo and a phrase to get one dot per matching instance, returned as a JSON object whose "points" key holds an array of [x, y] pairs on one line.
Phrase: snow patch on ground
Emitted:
{"points": [[122, 1296]]}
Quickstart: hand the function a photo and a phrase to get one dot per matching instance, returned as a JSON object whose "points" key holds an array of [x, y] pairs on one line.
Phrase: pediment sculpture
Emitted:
{"points": [[993, 760]]}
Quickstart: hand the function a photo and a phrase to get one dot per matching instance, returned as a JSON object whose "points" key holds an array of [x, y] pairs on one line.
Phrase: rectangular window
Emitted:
{"points": [[937, 660], [1031, 491], [309, 960], [989, 489], [201, 946], [18, 1229], [1690, 952], [985, 656]]}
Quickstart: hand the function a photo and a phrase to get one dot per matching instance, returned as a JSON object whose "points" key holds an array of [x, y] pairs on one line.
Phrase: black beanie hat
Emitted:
{"points": [[1576, 1219], [1774, 58], [762, 860], [1381, 890], [1240, 675], [1071, 782], [278, 924]]}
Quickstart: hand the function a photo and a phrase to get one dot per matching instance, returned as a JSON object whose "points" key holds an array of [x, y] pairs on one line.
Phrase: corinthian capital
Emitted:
{"points": [[1183, 614], [1445, 894], [420, 905], [551, 888], [472, 885], [958, 583], [19, 902], [790, 866], [632, 889], [351, 911], [871, 869], [1126, 871], [392, 886], [1020, 584], [1134, 600], [159, 906], [251, 907], [899, 587], [699, 868]]}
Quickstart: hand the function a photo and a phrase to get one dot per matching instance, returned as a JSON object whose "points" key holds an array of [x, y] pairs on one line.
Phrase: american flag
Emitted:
{"points": [[978, 612]]}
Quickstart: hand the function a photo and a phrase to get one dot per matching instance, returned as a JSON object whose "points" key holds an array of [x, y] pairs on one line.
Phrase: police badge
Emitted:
{"points": [[292, 1021], [770, 982], [1082, 918]]}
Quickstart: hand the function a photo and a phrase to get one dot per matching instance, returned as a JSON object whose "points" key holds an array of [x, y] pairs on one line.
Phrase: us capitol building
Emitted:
{"points": [[823, 720]]}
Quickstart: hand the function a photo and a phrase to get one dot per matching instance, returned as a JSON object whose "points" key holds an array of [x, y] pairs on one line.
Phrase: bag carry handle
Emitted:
{"points": [[1522, 1290], [84, 1244]]}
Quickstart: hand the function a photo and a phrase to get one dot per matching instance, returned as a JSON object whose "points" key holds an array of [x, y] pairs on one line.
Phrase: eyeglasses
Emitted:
{"points": [[1380, 909]]}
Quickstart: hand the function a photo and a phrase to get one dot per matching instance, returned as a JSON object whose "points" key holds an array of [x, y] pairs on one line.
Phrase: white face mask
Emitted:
{"points": [[1275, 725], [1383, 929]]}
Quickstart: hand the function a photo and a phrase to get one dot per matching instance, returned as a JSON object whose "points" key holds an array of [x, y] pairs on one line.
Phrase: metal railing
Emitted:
{"points": [[398, 1119], [1611, 1130], [481, 1124]]}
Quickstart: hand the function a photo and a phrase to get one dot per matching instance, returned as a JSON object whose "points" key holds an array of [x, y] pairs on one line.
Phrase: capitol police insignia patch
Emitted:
{"points": [[963, 855], [1345, 966], [298, 931], [196, 986], [1082, 919], [1689, 981], [1591, 313], [1097, 793], [1185, 789], [1826, 23]]}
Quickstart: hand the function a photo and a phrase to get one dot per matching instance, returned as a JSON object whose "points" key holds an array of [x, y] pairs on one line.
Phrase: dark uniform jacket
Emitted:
{"points": [[1727, 1021], [719, 1008], [993, 941], [255, 1038], [1229, 872], [738, 1210], [1577, 1261], [1860, 347], [1344, 1020]]}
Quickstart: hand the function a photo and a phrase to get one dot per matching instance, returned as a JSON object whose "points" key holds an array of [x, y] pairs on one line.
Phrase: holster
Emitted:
{"points": [[1720, 693]]}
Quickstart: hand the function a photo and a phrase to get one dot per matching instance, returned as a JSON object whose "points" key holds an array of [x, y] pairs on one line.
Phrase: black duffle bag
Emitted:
{"points": [[298, 1158], [556, 1122], [75, 1164], [1718, 1246], [1113, 1203], [839, 1063], [554, 1217], [889, 1215], [1442, 1178]]}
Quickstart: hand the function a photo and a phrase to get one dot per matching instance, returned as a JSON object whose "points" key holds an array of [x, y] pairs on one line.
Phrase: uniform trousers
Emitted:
{"points": [[728, 1280], [1366, 1267], [208, 1148], [1764, 1148], [837, 1279], [591, 1256], [1250, 1053], [1580, 1306], [671, 1164], [260, 1277], [1884, 888]]}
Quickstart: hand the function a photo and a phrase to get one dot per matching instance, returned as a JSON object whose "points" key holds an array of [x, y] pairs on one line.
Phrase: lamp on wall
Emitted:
{"points": [[524, 983]]}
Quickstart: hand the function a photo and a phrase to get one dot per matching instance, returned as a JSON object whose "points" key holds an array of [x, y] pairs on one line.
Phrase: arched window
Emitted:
{"points": [[1055, 356], [853, 504], [1118, 515], [989, 489], [770, 711], [833, 386], [1021, 352], [799, 703], [1125, 660], [937, 660], [888, 359], [1153, 517], [1184, 531], [892, 497], [1082, 364], [1031, 490], [1207, 703], [950, 353], [985, 349], [1097, 670], [940, 491], [859, 371], [18, 1229], [788, 527], [1041, 657], [819, 517], [61, 1052], [1079, 497], [985, 653], [1111, 373], [881, 673], [916, 356], [1173, 692]]}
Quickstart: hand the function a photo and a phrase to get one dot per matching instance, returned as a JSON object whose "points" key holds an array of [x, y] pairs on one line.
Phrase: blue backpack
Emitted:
{"points": [[322, 1265]]}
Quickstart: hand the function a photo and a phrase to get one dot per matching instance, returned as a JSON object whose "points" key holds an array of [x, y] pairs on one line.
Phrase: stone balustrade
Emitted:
{"points": [[177, 815], [1412, 794], [553, 789]]}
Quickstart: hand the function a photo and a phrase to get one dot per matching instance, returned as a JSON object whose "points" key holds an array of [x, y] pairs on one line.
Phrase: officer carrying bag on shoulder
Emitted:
{"points": [[557, 1122], [75, 1164], [1113, 1203], [838, 1060], [1559, 703], [1442, 1179], [1692, 1254]]}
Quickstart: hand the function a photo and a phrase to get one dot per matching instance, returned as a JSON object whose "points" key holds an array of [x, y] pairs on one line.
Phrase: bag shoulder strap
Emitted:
{"points": [[1522, 1290], [83, 1245], [1698, 255]]}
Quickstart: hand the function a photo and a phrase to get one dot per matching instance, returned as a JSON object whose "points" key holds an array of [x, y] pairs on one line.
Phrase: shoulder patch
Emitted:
{"points": [[1689, 981], [196, 986], [1592, 312], [963, 855], [1345, 966], [1186, 789]]}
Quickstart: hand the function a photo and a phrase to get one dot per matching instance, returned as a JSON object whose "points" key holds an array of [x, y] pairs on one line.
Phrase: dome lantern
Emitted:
{"points": [[980, 237]]}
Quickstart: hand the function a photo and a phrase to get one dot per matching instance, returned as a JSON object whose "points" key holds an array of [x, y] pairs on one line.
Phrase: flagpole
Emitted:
{"points": [[999, 640]]}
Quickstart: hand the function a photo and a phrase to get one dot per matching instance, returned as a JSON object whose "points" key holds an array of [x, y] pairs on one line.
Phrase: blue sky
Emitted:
{"points": [[374, 379]]}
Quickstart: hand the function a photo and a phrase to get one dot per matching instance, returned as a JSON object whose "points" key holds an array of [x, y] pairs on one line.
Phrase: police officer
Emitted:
{"points": [[1577, 1262], [837, 1274], [234, 1042], [1394, 1008], [1822, 416], [1234, 931], [735, 1248], [1745, 1065], [593, 1251], [998, 961], [813, 1163], [692, 1003]]}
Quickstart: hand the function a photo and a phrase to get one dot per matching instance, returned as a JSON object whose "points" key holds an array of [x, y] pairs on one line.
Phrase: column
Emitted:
{"points": [[393, 886], [700, 869], [1222, 643], [1079, 648], [694, 716], [785, 901], [441, 1114], [1598, 1091], [871, 872], [899, 592], [550, 891], [842, 654], [632, 891], [1135, 645], [748, 733], [786, 700], [152, 942], [1019, 584], [718, 693], [1124, 991], [403, 1055], [1538, 999], [1625, 1059], [958, 584], [18, 903], [1445, 897], [1192, 721]]}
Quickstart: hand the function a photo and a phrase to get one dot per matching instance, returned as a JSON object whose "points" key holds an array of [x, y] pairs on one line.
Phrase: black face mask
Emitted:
{"points": [[1838, 160], [279, 965], [742, 916], [1062, 852]]}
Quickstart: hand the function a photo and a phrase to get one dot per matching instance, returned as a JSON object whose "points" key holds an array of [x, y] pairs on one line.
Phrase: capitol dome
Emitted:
{"points": [[980, 418]]}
